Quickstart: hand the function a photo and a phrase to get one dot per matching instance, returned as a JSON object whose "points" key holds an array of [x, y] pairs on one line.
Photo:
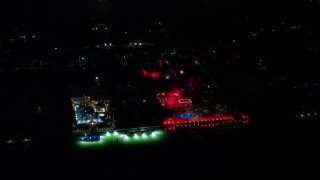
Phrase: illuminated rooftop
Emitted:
{"points": [[88, 112]]}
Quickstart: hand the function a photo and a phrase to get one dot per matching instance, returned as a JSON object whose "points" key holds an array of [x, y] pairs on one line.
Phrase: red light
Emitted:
{"points": [[144, 72]]}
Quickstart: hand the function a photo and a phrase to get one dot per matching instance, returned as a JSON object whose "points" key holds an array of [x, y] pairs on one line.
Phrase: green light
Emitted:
{"points": [[167, 76], [155, 137], [206, 111], [119, 139], [95, 144], [153, 134], [125, 137]]}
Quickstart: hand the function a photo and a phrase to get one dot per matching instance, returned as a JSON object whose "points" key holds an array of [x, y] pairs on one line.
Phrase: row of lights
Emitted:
{"points": [[173, 124], [308, 114], [87, 121], [25, 140], [134, 135], [178, 121], [196, 125]]}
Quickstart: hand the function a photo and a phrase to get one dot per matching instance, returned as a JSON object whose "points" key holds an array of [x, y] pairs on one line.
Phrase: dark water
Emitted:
{"points": [[237, 153]]}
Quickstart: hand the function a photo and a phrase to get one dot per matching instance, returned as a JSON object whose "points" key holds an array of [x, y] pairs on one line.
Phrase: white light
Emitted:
{"points": [[97, 77], [153, 134]]}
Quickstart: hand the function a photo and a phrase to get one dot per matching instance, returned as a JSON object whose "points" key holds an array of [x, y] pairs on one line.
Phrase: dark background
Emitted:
{"points": [[277, 146]]}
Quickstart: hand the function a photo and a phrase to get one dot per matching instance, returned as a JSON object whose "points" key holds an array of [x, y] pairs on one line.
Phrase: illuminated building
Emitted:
{"points": [[92, 114], [170, 100], [186, 116]]}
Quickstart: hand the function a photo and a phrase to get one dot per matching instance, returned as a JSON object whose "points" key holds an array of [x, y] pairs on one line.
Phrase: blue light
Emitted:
{"points": [[312, 94], [90, 137], [187, 116]]}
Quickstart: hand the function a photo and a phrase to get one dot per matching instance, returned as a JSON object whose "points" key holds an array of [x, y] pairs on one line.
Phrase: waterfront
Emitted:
{"points": [[247, 153]]}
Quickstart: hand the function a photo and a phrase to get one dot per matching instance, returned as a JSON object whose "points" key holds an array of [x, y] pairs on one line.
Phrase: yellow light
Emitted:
{"points": [[181, 72]]}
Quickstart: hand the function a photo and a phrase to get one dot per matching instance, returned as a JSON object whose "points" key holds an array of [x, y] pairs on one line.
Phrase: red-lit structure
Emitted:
{"points": [[176, 123], [152, 74], [185, 116], [171, 100]]}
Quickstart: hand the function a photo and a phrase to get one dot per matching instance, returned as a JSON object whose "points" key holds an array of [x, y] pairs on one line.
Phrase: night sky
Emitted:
{"points": [[144, 10], [193, 17]]}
